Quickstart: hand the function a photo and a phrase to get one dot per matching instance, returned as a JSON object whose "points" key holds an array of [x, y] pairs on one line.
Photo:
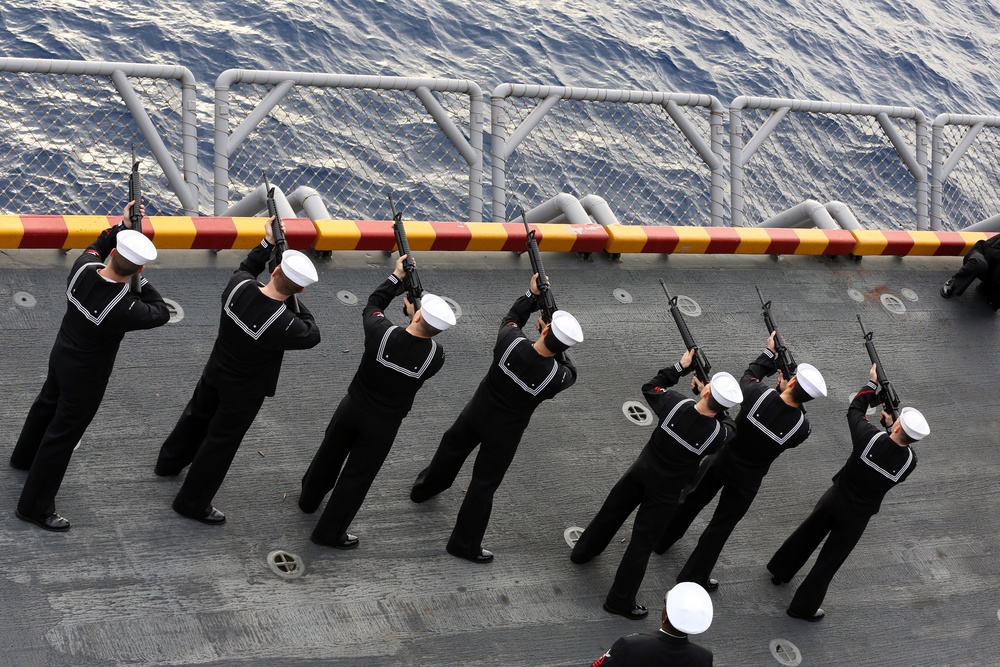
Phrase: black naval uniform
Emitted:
{"points": [[654, 483], [983, 262], [876, 465], [254, 332], [394, 366], [518, 380], [652, 650], [98, 314], [765, 427]]}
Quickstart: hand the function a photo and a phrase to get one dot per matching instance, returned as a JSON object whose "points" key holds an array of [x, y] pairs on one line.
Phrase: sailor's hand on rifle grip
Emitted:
{"points": [[269, 229], [399, 271], [697, 386], [886, 419], [771, 344], [533, 286], [687, 358], [873, 373], [126, 215]]}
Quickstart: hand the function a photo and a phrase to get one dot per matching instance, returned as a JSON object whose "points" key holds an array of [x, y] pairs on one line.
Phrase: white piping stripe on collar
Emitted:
{"points": [[520, 383], [383, 358], [235, 318], [768, 432], [682, 441], [902, 469], [96, 319]]}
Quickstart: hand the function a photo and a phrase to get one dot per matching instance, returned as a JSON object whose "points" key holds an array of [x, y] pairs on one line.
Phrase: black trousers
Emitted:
{"points": [[497, 447], [362, 440], [645, 485], [734, 502], [55, 423], [207, 436], [973, 266], [842, 526]]}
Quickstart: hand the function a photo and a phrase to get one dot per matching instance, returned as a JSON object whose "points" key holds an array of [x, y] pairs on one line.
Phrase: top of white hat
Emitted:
{"points": [[689, 608], [297, 268], [135, 247], [566, 328], [811, 380], [913, 423], [436, 312], [726, 390]]}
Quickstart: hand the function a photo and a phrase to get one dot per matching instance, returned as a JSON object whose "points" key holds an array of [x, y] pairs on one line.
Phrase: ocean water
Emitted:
{"points": [[939, 56], [936, 55]]}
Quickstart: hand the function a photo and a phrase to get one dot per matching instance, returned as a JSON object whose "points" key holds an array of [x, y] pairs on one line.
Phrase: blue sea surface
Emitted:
{"points": [[939, 56]]}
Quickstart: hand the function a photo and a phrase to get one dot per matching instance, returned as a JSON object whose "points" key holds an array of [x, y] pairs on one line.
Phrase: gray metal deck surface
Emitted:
{"points": [[134, 584]]}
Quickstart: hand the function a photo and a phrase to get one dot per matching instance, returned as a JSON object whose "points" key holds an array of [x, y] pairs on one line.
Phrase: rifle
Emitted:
{"points": [[784, 359], [547, 300], [135, 213], [702, 369], [280, 242], [411, 281], [886, 393]]}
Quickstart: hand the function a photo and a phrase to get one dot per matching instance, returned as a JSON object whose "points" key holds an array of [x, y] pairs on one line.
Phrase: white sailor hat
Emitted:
{"points": [[566, 329], [913, 423], [135, 247], [436, 312], [810, 379], [726, 390], [298, 268], [689, 609]]}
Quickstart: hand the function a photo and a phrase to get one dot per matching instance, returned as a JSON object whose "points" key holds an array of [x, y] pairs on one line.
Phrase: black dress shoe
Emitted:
{"points": [[812, 618], [212, 517], [636, 613], [948, 288], [52, 522], [483, 556], [777, 581], [711, 585], [160, 472], [348, 541]]}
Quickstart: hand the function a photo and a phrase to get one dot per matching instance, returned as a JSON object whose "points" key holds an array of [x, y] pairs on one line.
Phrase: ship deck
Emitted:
{"points": [[134, 584]]}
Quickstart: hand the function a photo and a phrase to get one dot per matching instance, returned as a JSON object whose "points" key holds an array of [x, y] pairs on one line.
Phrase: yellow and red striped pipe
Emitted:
{"points": [[79, 231], [221, 233], [485, 236]]}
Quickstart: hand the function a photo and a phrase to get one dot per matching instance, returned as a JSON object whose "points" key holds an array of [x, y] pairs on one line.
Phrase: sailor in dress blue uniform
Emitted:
{"points": [[256, 326], [521, 376], [879, 461], [395, 364], [100, 309]]}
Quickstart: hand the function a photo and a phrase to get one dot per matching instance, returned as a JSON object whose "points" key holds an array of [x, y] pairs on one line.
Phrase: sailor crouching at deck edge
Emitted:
{"points": [[687, 610], [687, 431], [521, 376], [256, 326], [100, 309], [878, 462], [395, 364]]}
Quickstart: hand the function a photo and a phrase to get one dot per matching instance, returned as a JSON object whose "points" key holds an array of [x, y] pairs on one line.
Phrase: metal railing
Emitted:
{"points": [[653, 157], [786, 151], [641, 151], [965, 182], [64, 144], [352, 138]]}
